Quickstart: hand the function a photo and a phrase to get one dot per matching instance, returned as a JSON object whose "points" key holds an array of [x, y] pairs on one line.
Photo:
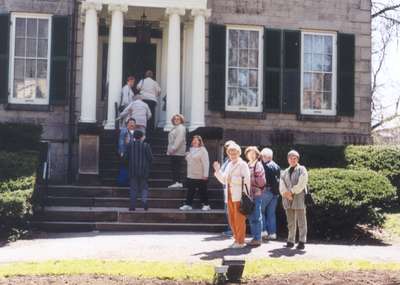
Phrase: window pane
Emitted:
{"points": [[32, 28], [307, 81], [253, 79], [233, 57], [19, 89], [30, 88], [254, 40], [20, 47], [327, 63], [244, 58], [327, 101], [30, 71], [308, 62], [253, 100], [43, 28], [328, 45], [317, 62], [42, 48], [318, 44], [253, 58], [307, 100], [243, 77], [316, 100], [243, 39], [19, 68], [317, 82], [308, 44], [20, 27], [42, 68], [31, 47], [327, 82], [233, 77], [233, 97], [41, 89]]}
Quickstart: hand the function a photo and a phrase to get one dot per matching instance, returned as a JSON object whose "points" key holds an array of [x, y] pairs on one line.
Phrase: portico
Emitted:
{"points": [[184, 91]]}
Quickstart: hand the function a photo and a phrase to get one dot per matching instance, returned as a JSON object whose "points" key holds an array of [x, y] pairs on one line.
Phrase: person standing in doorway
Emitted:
{"points": [[177, 149], [198, 167], [293, 187], [140, 159], [149, 91]]}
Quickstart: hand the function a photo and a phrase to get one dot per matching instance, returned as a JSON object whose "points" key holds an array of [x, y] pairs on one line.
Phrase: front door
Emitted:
{"points": [[138, 58]]}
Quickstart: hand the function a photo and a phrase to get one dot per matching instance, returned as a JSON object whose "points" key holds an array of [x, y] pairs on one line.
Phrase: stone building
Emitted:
{"points": [[260, 72]]}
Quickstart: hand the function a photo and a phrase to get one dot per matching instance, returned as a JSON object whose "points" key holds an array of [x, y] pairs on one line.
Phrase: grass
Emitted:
{"points": [[392, 224], [182, 271]]}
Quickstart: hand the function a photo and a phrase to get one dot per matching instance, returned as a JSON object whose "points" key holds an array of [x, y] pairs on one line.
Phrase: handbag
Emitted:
{"points": [[247, 204], [309, 199]]}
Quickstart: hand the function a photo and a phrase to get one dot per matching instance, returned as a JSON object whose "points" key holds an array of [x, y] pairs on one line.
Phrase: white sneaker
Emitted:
{"points": [[264, 235], [206, 208], [272, 237], [238, 245], [186, 208], [175, 185], [233, 245]]}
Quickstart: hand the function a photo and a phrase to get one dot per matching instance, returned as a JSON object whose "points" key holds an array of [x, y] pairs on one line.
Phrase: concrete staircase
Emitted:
{"points": [[86, 208]]}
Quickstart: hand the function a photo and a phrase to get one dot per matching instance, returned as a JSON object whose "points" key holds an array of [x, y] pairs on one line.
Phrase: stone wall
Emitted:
{"points": [[345, 16], [54, 121]]}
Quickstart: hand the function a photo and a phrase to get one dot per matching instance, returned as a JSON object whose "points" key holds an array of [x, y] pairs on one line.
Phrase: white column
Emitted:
{"points": [[89, 62], [187, 71], [115, 45], [173, 63], [164, 57], [198, 68]]}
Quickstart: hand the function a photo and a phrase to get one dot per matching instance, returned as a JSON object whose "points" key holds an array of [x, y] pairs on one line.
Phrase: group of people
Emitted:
{"points": [[262, 180]]}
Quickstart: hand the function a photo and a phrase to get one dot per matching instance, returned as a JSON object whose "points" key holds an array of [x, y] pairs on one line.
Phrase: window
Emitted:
{"points": [[244, 69], [318, 76], [30, 59]]}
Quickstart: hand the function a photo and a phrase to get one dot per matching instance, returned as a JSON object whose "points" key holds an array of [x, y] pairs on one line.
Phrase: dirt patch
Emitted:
{"points": [[324, 278]]}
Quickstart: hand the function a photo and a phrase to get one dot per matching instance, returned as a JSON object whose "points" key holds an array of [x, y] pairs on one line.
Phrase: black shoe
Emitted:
{"points": [[289, 245], [131, 209], [300, 246]]}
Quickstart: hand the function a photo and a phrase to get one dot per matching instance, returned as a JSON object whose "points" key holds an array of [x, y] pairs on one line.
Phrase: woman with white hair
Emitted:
{"points": [[237, 179], [149, 91], [270, 195], [293, 187]]}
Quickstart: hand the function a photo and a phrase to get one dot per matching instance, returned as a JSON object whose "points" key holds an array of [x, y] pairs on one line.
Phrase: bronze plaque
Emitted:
{"points": [[88, 154]]}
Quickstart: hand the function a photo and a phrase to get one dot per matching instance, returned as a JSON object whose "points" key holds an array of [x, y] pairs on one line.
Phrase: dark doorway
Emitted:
{"points": [[138, 58]]}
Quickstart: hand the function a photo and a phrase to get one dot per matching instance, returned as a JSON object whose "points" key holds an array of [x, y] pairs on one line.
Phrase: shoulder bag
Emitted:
{"points": [[246, 203]]}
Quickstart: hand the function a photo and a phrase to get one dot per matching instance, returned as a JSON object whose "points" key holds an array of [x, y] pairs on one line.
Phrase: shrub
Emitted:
{"points": [[14, 165], [20, 184], [345, 198], [19, 136]]}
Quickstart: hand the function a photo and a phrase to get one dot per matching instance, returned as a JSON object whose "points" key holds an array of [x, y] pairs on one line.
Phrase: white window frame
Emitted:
{"points": [[35, 101], [333, 111], [260, 68]]}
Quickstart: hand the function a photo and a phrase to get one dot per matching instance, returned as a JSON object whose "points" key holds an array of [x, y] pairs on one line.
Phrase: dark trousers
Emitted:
{"points": [[176, 167], [138, 184], [151, 121], [193, 185]]}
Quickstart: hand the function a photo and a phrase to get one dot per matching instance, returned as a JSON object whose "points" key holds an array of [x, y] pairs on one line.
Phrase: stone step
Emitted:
{"points": [[125, 202], [104, 191], [104, 226], [154, 182], [123, 215], [112, 171]]}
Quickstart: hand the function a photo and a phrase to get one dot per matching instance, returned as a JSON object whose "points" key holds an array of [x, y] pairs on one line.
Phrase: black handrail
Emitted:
{"points": [[116, 116], [42, 176]]}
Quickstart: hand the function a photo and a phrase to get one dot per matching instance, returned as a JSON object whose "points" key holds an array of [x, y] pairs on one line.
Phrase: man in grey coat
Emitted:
{"points": [[293, 187], [140, 158]]}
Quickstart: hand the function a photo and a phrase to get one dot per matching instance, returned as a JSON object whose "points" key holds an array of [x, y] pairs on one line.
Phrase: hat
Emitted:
{"points": [[293, 153], [234, 146]]}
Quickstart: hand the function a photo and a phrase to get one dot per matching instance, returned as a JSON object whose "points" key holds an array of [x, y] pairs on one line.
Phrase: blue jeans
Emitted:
{"points": [[255, 219], [268, 208], [138, 184]]}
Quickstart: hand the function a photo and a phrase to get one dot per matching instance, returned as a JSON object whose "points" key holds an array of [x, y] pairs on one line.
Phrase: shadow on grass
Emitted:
{"points": [[287, 252]]}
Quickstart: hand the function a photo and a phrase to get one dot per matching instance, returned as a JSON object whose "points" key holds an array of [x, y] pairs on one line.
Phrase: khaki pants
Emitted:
{"points": [[296, 218], [237, 220]]}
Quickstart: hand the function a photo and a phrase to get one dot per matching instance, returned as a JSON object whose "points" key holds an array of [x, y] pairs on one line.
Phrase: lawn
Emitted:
{"points": [[392, 224], [182, 271]]}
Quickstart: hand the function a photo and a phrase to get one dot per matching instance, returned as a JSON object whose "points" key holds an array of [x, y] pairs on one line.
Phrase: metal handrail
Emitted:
{"points": [[42, 176]]}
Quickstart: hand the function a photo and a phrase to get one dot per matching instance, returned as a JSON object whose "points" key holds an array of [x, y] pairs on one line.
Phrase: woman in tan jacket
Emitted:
{"points": [[177, 149], [236, 177], [198, 167]]}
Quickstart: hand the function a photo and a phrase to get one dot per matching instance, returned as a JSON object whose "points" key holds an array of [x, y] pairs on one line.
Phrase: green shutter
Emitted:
{"points": [[291, 71], [59, 77], [4, 56], [272, 69], [217, 67], [345, 78]]}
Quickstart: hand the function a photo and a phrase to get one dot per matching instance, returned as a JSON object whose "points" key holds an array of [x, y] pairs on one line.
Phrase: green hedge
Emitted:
{"points": [[14, 165], [20, 136], [345, 198]]}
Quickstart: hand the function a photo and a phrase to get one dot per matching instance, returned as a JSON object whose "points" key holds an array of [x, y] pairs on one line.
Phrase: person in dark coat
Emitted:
{"points": [[140, 158]]}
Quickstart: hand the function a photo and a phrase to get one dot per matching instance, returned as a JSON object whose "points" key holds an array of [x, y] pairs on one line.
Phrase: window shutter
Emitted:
{"points": [[272, 69], [217, 67], [345, 82], [4, 56], [291, 71], [59, 78]]}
